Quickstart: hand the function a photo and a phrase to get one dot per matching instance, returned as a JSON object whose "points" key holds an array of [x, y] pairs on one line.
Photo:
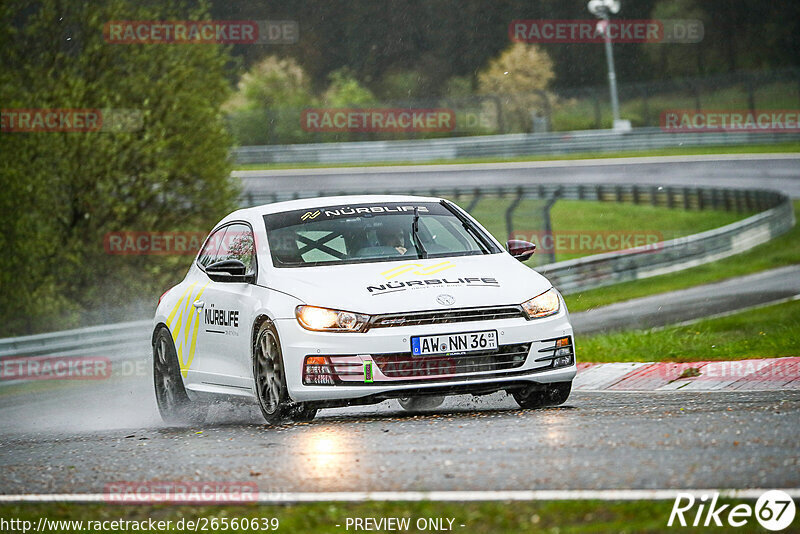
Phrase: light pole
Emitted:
{"points": [[603, 9]]}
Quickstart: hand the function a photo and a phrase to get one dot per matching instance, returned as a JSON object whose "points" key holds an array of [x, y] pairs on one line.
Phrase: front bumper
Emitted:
{"points": [[297, 343]]}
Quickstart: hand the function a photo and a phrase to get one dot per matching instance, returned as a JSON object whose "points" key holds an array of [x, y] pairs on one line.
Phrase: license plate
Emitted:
{"points": [[452, 343]]}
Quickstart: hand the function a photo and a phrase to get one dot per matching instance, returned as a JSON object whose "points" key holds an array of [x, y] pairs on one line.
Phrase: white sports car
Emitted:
{"points": [[337, 301]]}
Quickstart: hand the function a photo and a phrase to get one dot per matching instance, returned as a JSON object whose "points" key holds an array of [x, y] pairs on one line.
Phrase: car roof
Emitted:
{"points": [[320, 202]]}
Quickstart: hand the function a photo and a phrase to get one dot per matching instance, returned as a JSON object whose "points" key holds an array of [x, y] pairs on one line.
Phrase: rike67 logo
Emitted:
{"points": [[774, 510]]}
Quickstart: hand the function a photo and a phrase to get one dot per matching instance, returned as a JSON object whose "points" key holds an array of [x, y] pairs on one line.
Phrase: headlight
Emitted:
{"points": [[326, 320], [543, 305]]}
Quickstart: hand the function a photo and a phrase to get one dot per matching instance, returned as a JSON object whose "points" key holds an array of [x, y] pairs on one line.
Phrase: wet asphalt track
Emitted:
{"points": [[77, 437], [762, 171], [595, 441]]}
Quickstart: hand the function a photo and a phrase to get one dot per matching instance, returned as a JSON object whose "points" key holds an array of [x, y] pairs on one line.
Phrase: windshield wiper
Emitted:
{"points": [[421, 252]]}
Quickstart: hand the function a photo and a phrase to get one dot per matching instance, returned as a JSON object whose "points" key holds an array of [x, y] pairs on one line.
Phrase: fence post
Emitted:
{"points": [[598, 118], [751, 97], [548, 226], [645, 105], [510, 214], [475, 199]]}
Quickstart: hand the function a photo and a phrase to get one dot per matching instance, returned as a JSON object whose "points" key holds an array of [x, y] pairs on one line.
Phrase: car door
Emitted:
{"points": [[225, 315]]}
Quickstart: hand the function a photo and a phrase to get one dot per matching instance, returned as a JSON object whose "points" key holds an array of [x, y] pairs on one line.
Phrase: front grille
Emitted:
{"points": [[407, 366], [458, 315]]}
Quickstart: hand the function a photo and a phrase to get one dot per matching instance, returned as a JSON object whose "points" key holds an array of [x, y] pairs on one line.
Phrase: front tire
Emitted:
{"points": [[173, 403], [303, 413], [270, 376], [552, 395]]}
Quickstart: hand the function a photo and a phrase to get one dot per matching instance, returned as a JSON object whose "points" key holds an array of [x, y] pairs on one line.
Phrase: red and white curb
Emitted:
{"points": [[740, 375]]}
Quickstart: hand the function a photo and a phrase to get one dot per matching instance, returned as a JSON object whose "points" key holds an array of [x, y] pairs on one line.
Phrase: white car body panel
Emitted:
{"points": [[217, 358]]}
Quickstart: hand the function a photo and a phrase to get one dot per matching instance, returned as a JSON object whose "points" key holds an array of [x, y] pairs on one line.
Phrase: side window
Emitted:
{"points": [[209, 253], [238, 244]]}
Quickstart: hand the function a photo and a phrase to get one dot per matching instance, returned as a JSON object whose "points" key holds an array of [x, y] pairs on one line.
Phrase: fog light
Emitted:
{"points": [[563, 353], [563, 361], [318, 370]]}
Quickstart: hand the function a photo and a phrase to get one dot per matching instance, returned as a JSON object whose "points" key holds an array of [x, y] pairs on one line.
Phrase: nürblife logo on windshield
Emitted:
{"points": [[360, 210]]}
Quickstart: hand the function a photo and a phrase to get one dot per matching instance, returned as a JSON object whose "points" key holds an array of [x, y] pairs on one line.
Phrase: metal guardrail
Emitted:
{"points": [[123, 341], [673, 255], [498, 146]]}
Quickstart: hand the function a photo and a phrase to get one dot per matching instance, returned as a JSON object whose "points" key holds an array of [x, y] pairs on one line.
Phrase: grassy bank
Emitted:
{"points": [[768, 332], [575, 218], [784, 250]]}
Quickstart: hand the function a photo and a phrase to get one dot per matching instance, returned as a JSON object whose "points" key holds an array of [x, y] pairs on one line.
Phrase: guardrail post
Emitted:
{"points": [[670, 197], [700, 200], [686, 203]]}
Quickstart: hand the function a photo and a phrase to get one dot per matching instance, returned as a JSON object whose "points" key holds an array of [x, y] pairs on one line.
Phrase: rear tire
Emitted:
{"points": [[270, 376], [552, 395], [173, 403], [415, 404]]}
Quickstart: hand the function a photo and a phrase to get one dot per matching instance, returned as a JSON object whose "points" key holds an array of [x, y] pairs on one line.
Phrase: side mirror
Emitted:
{"points": [[229, 271], [522, 250]]}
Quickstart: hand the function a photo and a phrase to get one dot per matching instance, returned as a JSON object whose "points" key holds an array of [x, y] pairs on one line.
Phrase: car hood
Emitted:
{"points": [[398, 286]]}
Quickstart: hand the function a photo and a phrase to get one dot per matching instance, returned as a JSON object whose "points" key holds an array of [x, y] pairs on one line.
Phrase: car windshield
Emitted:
{"points": [[371, 232]]}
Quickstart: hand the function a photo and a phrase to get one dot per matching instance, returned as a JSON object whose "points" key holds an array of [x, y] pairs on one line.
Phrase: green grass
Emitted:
{"points": [[781, 251], [563, 517], [583, 218], [788, 147], [768, 332]]}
